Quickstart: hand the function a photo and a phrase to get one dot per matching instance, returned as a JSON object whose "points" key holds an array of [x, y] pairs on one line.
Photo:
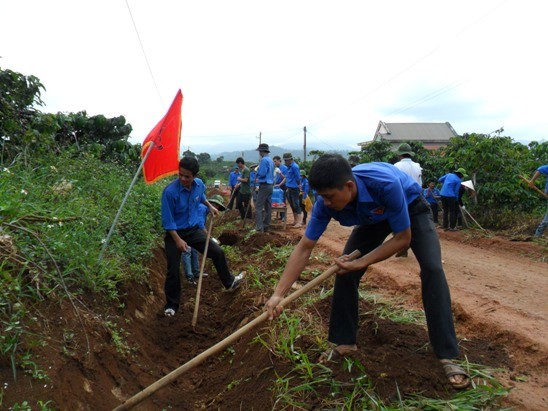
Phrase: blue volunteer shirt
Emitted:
{"points": [[429, 195], [293, 176], [233, 178], [283, 170], [203, 212], [304, 186], [451, 185], [544, 170], [180, 206], [384, 193], [265, 172]]}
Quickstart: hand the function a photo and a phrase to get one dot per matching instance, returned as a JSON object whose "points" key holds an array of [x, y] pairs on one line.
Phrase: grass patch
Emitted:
{"points": [[390, 309], [297, 337]]}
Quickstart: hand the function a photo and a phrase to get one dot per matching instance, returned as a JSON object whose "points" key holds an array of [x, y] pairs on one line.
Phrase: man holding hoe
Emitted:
{"points": [[378, 199], [181, 216]]}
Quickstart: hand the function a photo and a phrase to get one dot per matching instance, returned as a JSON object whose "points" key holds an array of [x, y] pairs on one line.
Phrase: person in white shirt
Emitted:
{"points": [[412, 169], [407, 165]]}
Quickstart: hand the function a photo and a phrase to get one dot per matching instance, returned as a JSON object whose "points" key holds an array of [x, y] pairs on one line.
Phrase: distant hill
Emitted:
{"points": [[253, 155]]}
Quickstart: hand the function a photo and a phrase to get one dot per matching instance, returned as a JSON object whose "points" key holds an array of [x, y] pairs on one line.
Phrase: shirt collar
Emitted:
{"points": [[183, 188], [363, 194]]}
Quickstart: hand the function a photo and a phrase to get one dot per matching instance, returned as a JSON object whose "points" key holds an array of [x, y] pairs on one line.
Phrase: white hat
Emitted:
{"points": [[469, 184]]}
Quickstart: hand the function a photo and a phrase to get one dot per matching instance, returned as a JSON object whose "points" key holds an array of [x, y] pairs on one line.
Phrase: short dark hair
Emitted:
{"points": [[190, 164], [277, 158], [330, 171], [240, 160]]}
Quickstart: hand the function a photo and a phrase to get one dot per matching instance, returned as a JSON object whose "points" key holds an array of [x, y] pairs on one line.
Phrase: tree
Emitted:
{"points": [[189, 153], [204, 158], [25, 130], [18, 94], [220, 159], [354, 158], [494, 163], [376, 151], [315, 154]]}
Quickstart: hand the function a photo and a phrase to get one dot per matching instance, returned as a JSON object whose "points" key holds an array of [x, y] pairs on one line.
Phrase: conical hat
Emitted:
{"points": [[469, 184]]}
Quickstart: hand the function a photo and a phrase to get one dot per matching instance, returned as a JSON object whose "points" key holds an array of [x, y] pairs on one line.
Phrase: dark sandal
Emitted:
{"points": [[451, 369]]}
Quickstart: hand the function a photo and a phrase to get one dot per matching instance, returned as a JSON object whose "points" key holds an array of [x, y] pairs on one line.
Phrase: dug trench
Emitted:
{"points": [[397, 357]]}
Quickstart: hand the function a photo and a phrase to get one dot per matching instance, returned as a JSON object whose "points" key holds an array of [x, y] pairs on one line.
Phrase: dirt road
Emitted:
{"points": [[499, 291]]}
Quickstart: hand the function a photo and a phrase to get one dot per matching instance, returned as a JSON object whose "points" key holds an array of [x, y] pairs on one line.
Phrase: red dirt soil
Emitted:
{"points": [[498, 290], [499, 299]]}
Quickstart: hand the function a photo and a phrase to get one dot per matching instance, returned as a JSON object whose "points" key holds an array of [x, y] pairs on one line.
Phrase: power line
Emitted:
{"points": [[410, 66], [430, 96], [316, 137], [344, 108], [145, 55]]}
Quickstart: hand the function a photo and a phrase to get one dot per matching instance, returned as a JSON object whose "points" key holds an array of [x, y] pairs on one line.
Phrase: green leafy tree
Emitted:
{"points": [[189, 153], [494, 163], [354, 158], [18, 96], [315, 154], [24, 130], [204, 158], [376, 151]]}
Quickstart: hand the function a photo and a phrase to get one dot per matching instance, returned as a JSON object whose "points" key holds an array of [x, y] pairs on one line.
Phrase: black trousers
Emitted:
{"points": [[195, 238], [436, 298], [303, 207], [435, 209], [242, 204], [449, 205]]}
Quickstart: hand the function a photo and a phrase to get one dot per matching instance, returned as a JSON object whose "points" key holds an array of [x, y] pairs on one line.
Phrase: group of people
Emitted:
{"points": [[450, 194], [376, 199], [185, 209], [258, 184]]}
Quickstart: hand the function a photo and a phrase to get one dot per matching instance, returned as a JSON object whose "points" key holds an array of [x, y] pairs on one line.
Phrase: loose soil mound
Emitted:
{"points": [[397, 357]]}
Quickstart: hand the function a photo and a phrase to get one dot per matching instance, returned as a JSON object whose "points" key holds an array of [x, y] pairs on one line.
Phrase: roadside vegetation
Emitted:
{"points": [[63, 177]]}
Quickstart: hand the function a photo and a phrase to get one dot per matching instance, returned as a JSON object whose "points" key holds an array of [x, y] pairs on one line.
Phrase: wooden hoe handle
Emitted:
{"points": [[538, 190], [221, 345]]}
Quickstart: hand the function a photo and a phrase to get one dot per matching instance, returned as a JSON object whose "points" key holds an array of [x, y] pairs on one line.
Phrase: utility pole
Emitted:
{"points": [[304, 147], [260, 138]]}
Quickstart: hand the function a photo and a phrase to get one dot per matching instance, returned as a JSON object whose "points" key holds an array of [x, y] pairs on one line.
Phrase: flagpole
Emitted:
{"points": [[105, 244]]}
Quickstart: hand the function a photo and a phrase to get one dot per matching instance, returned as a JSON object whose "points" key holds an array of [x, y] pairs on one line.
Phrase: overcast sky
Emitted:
{"points": [[244, 67]]}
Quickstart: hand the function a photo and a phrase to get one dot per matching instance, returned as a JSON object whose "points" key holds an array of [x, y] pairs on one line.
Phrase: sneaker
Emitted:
{"points": [[197, 275], [169, 312], [191, 281], [236, 283], [452, 229]]}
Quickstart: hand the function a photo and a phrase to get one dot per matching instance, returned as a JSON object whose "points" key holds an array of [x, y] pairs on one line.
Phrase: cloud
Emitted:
{"points": [[246, 67]]}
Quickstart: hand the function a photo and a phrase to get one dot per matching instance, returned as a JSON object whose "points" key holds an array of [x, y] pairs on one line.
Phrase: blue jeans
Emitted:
{"points": [[191, 263], [293, 199], [263, 207], [543, 224]]}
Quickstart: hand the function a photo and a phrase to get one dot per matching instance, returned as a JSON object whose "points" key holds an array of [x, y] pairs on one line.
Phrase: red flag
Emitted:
{"points": [[163, 160]]}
